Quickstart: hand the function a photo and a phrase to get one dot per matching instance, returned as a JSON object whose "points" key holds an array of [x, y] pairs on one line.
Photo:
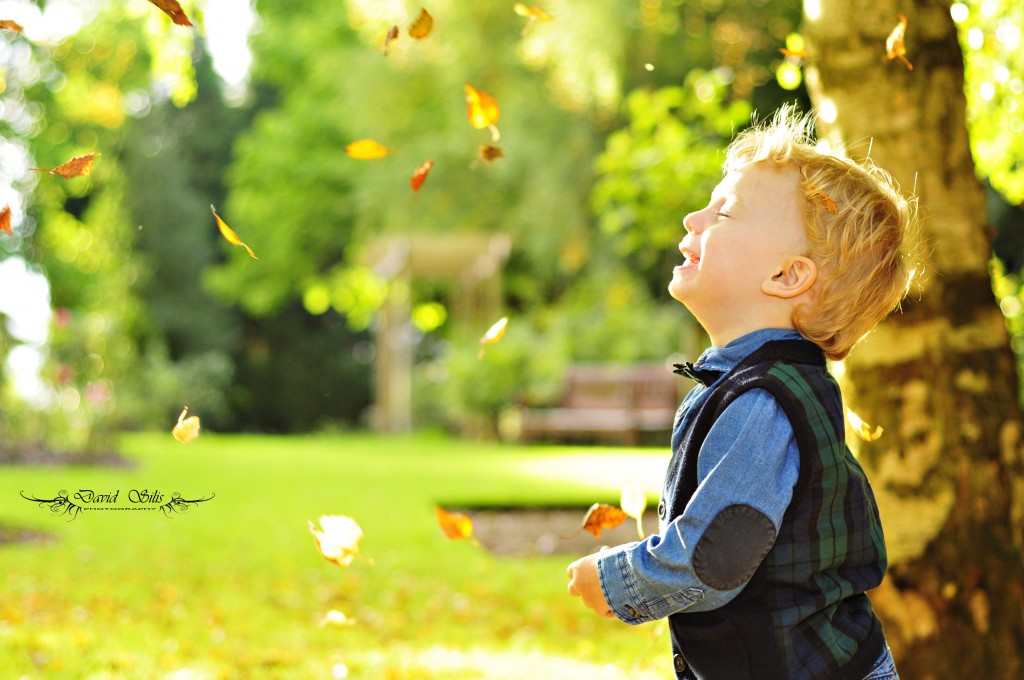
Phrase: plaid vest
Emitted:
{"points": [[804, 614]]}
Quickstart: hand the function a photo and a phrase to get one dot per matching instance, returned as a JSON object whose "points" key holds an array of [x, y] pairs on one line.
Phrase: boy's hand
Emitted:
{"points": [[585, 583]]}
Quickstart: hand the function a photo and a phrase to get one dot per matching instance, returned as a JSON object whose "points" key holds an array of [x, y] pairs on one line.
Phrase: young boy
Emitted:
{"points": [[769, 534]]}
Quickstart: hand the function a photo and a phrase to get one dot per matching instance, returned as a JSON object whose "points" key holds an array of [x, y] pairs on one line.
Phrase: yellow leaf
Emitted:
{"points": [[862, 429], [10, 25], [532, 14], [633, 503], [420, 28], [338, 539], [455, 525], [895, 45], [229, 234], [366, 149], [495, 333], [482, 110], [187, 429]]}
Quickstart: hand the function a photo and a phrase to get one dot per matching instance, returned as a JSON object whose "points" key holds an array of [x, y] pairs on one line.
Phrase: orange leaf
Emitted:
{"points": [[421, 27], [489, 152], [187, 429], [229, 234], [455, 525], [10, 25], [495, 333], [338, 540], [389, 38], [5, 220], [798, 54], [366, 149], [482, 110], [79, 166], [420, 176], [172, 8], [895, 47], [862, 429], [602, 516]]}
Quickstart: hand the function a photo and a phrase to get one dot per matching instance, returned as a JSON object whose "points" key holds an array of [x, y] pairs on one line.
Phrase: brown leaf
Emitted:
{"points": [[229, 234], [366, 149], [455, 525], [79, 166], [389, 38], [420, 28], [5, 220], [420, 176], [489, 152], [602, 516], [895, 47], [172, 8], [187, 429], [10, 25]]}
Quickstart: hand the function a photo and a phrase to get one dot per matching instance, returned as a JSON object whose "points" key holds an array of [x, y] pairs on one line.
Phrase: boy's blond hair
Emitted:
{"points": [[859, 228]]}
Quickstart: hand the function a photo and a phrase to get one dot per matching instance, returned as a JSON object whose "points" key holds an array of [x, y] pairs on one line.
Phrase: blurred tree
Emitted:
{"points": [[940, 376]]}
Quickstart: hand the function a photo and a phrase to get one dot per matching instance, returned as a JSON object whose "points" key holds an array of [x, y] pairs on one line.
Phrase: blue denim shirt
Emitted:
{"points": [[750, 457]]}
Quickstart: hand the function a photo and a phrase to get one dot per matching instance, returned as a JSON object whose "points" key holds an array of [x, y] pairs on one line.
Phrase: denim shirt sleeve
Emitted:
{"points": [[750, 457]]}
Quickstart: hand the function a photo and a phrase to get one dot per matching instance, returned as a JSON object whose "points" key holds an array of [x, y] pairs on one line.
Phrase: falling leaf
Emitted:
{"points": [[895, 47], [172, 8], [489, 152], [420, 176], [482, 110], [495, 333], [5, 220], [336, 618], [79, 166], [796, 54], [338, 540], [187, 429], [862, 429], [602, 516], [229, 234], [366, 149], [633, 503], [455, 525], [421, 27], [532, 14], [10, 25], [389, 38]]}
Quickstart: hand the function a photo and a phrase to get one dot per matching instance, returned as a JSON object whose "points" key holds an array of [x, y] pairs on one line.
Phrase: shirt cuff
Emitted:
{"points": [[624, 597]]}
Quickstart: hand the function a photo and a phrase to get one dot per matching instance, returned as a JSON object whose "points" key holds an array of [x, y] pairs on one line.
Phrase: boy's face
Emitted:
{"points": [[744, 236]]}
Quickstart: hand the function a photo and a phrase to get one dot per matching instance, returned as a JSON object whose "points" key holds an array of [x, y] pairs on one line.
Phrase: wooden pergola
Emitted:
{"points": [[472, 261]]}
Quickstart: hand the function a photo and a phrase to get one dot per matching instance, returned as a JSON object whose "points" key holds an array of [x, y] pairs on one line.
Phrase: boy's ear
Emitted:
{"points": [[794, 278]]}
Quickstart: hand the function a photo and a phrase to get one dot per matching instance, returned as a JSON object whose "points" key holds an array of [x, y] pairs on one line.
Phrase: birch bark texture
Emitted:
{"points": [[940, 375]]}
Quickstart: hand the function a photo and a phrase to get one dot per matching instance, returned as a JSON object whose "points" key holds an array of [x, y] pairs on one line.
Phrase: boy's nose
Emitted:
{"points": [[692, 222]]}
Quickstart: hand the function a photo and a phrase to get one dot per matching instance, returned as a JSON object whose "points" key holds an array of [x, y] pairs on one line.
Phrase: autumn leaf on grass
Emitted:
{"points": [[420, 176], [489, 152], [338, 539], [602, 516], [532, 14], [391, 36], [10, 25], [862, 429], [187, 429], [229, 234], [495, 333], [420, 28], [895, 47], [172, 8], [5, 221], [336, 618], [482, 110], [633, 503], [366, 149], [457, 526], [79, 166]]}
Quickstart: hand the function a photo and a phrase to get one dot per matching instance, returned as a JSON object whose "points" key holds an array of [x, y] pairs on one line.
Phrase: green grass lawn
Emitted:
{"points": [[235, 587]]}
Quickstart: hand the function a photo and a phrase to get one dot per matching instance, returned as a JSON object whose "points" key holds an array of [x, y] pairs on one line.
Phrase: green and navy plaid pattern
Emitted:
{"points": [[807, 597]]}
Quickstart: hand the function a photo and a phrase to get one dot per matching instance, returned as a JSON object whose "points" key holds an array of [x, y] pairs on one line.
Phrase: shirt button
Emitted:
{"points": [[661, 509], [679, 663]]}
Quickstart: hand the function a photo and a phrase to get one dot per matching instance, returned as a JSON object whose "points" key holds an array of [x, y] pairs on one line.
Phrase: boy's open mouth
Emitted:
{"points": [[690, 257]]}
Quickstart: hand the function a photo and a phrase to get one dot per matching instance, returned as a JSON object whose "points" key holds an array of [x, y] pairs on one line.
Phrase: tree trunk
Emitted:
{"points": [[940, 377]]}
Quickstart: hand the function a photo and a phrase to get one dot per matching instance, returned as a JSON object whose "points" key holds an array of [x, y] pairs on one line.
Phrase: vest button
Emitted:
{"points": [[679, 663], [633, 613], [661, 509]]}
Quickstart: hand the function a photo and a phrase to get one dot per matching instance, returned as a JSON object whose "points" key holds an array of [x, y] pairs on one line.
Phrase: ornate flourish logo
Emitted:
{"points": [[138, 499]]}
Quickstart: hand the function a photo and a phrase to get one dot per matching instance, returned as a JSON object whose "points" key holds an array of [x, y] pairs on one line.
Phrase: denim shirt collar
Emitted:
{"points": [[725, 358]]}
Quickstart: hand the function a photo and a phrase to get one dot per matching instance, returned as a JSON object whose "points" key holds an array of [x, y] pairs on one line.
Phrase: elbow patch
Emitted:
{"points": [[733, 546]]}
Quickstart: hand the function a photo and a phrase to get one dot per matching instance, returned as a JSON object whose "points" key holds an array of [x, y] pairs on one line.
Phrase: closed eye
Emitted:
{"points": [[721, 214]]}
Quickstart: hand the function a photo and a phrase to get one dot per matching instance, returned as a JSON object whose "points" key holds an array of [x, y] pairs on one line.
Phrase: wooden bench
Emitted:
{"points": [[607, 402]]}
